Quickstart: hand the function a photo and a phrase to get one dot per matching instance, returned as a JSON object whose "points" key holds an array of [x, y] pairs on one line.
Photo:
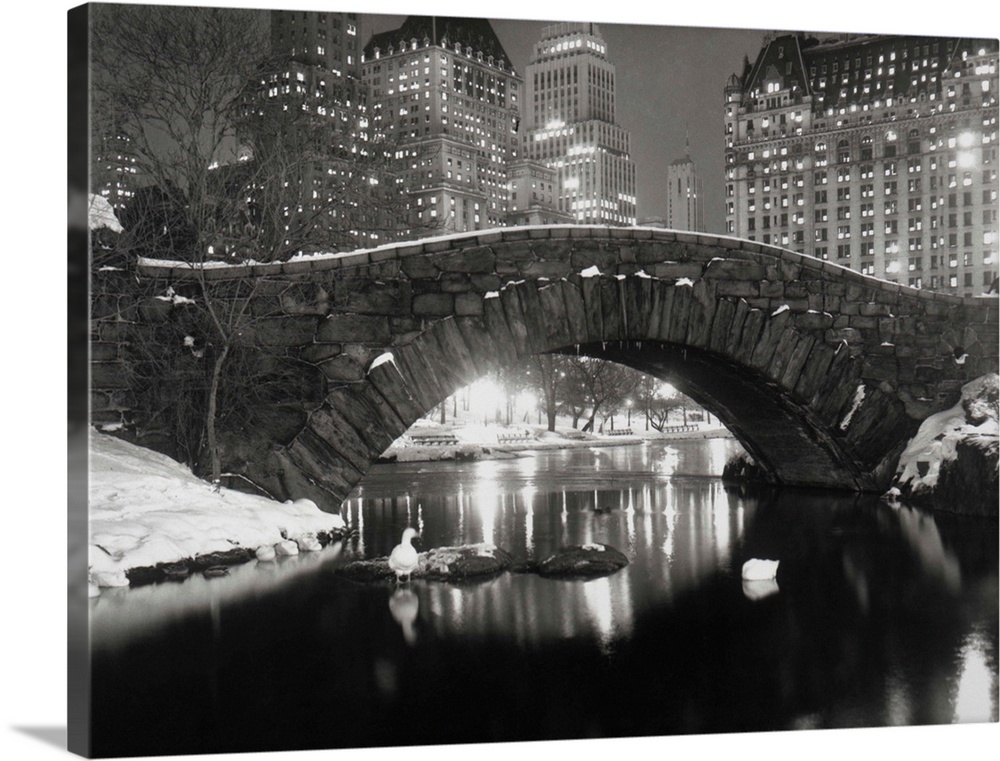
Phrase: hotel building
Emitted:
{"points": [[875, 152], [446, 98]]}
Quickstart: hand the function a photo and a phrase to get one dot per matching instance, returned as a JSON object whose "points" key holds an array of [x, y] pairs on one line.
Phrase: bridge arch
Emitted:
{"points": [[822, 373]]}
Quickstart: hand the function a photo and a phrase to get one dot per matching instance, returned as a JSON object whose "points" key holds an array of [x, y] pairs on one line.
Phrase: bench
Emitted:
{"points": [[621, 432], [434, 439], [513, 438], [679, 429]]}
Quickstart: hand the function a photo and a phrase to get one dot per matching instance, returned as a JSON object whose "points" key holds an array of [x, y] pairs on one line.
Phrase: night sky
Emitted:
{"points": [[669, 84]]}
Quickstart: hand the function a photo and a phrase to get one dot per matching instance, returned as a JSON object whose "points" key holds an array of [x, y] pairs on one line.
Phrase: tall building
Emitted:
{"points": [[571, 125], [114, 170], [685, 200], [875, 152], [446, 98], [313, 129]]}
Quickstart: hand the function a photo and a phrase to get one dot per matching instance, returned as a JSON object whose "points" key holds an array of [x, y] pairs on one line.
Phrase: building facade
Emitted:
{"points": [[685, 199], [447, 99], [571, 126], [875, 152], [313, 129]]}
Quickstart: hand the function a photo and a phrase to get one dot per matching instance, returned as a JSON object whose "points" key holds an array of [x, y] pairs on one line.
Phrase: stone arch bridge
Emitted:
{"points": [[823, 374]]}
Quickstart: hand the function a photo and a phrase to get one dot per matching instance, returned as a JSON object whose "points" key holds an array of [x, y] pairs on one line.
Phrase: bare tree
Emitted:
{"points": [[229, 166]]}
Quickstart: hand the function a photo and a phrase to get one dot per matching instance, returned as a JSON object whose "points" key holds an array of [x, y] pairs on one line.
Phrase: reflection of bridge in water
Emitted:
{"points": [[822, 373]]}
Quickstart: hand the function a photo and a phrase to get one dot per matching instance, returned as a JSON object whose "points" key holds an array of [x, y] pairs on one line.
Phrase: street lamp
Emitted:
{"points": [[628, 405]]}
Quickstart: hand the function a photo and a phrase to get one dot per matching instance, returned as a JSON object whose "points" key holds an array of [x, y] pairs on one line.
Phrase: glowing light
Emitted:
{"points": [[976, 689]]}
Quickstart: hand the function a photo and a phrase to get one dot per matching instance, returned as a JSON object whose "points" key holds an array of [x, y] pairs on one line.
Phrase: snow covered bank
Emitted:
{"points": [[146, 510], [951, 463]]}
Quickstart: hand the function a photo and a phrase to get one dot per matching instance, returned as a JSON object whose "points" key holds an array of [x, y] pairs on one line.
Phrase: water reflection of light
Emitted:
{"points": [[722, 537], [361, 529], [597, 599], [668, 462], [630, 521], [976, 690], [528, 497]]}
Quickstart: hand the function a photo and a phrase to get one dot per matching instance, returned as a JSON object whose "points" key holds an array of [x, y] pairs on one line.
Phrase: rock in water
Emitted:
{"points": [[286, 547], [582, 561]]}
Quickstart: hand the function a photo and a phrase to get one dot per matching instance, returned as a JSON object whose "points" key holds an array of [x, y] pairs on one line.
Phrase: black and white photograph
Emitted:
{"points": [[472, 379]]}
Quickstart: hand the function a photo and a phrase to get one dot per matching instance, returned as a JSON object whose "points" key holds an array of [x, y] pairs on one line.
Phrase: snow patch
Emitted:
{"points": [[859, 397], [590, 272], [101, 215], [779, 310], [684, 281], [174, 298], [146, 508], [381, 359]]}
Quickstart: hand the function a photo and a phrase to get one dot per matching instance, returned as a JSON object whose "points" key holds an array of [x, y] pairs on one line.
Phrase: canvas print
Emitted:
{"points": [[478, 380]]}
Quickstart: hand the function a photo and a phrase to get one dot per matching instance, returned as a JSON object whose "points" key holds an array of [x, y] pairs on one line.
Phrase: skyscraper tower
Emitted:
{"points": [[571, 127], [446, 97], [685, 209]]}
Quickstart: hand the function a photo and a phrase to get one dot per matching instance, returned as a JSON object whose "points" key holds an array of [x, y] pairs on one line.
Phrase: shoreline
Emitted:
{"points": [[471, 450]]}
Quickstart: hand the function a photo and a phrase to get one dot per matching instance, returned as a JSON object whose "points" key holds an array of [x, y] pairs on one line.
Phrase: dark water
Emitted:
{"points": [[879, 616]]}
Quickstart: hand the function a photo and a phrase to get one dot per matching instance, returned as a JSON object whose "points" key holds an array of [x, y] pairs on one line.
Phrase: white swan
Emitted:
{"points": [[403, 559]]}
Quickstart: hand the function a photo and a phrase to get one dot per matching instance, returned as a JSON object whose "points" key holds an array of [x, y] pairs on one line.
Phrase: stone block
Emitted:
{"points": [[590, 289], [485, 283], [771, 289], [813, 321], [329, 448], [495, 322], [454, 282], [576, 313], [514, 315], [468, 304], [419, 267], [874, 309], [433, 305], [738, 288], [551, 270], [480, 260], [316, 353], [347, 328], [637, 304], [611, 310], [593, 254], [734, 269], [377, 298], [557, 333], [482, 347], [342, 368], [675, 270], [304, 298], [278, 331]]}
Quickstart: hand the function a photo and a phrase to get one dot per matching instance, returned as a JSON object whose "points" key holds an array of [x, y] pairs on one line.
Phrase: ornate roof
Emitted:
{"points": [[475, 33]]}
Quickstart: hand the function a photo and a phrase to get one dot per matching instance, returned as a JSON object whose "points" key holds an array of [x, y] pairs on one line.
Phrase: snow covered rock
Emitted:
{"points": [[286, 548], [308, 543], [952, 462], [586, 560]]}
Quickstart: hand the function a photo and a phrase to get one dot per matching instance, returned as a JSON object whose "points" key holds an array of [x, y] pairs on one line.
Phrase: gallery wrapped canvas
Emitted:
{"points": [[441, 378]]}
